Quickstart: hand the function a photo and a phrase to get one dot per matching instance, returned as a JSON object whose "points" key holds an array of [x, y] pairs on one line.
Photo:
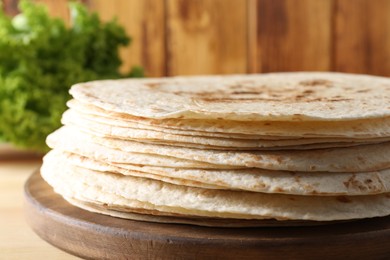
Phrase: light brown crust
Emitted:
{"points": [[278, 96]]}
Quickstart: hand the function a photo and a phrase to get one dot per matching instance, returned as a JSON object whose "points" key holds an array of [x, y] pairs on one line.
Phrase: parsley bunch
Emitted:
{"points": [[40, 58]]}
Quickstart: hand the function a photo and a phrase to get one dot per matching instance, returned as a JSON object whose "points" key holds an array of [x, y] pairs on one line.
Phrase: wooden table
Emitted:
{"points": [[17, 240]]}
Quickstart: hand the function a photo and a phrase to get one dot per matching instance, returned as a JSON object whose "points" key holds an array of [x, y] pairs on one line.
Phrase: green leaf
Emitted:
{"points": [[40, 58]]}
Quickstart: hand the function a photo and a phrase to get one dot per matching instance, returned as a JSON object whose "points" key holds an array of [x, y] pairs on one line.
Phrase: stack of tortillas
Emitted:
{"points": [[227, 150]]}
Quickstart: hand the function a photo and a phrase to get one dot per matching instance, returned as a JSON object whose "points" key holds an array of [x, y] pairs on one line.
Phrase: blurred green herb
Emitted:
{"points": [[40, 58]]}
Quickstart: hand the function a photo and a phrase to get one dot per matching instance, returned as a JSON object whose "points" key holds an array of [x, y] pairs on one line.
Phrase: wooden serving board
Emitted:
{"points": [[92, 235]]}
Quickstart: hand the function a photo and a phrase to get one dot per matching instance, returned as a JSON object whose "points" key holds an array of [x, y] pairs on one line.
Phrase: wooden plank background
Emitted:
{"points": [[181, 37]]}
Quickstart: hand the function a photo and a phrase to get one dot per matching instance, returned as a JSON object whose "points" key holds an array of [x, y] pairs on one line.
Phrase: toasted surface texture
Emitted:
{"points": [[279, 96], [257, 180], [361, 158], [110, 128], [264, 129], [104, 187], [236, 150]]}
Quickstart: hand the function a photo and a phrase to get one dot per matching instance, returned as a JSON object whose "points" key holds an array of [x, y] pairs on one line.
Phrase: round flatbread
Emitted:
{"points": [[363, 158], [264, 129], [256, 180], [133, 192], [110, 128], [279, 97]]}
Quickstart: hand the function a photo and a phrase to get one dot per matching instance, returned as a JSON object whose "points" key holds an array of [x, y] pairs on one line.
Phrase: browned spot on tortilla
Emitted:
{"points": [[278, 159], [308, 91], [300, 96], [220, 183], [368, 181], [315, 99], [353, 183], [316, 82], [279, 189], [89, 95], [153, 85], [343, 199], [361, 159], [338, 99], [347, 183], [156, 109], [308, 188], [245, 92], [232, 100]]}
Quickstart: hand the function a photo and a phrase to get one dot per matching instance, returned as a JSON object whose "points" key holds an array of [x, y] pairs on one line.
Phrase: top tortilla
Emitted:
{"points": [[274, 97]]}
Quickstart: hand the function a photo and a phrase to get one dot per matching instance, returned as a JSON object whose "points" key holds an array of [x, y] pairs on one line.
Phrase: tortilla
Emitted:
{"points": [[274, 130], [164, 217], [119, 190], [256, 180], [99, 152], [240, 150], [109, 128], [276, 96], [363, 158]]}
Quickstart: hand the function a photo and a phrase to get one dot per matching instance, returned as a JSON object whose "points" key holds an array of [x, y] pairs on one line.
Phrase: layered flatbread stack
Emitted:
{"points": [[241, 150]]}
